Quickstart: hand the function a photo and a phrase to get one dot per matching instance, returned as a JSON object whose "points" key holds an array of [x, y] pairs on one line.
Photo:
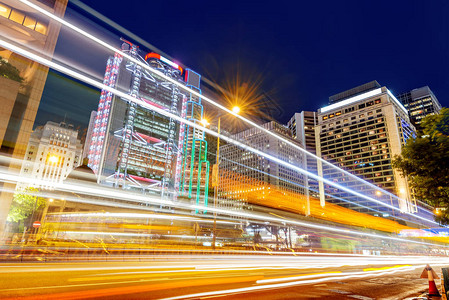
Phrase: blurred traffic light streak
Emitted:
{"points": [[217, 105]]}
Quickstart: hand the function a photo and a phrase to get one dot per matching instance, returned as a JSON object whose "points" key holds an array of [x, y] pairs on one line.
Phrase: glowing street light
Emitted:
{"points": [[236, 109], [204, 122]]}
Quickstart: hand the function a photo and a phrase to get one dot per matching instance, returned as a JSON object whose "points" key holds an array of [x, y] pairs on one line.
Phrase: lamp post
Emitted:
{"points": [[215, 174]]}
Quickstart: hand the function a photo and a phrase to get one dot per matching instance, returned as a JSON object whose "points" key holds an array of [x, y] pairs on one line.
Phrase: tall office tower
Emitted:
{"points": [[420, 102], [20, 97], [90, 128], [360, 133], [134, 147], [53, 151], [302, 126], [243, 173]]}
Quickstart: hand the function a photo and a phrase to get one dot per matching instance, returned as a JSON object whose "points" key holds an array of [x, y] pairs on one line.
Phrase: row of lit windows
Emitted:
{"points": [[370, 115], [25, 20]]}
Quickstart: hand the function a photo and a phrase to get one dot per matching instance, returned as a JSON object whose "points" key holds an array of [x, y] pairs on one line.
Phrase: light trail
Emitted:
{"points": [[143, 216], [117, 194], [343, 276], [173, 81], [242, 263], [100, 85], [250, 273]]}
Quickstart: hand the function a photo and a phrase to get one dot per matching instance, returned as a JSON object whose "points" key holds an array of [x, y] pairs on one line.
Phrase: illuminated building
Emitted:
{"points": [[360, 132], [420, 102], [20, 100], [302, 126], [260, 173], [53, 151], [133, 147]]}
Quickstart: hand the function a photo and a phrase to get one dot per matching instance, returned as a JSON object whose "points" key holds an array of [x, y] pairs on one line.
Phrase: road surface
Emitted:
{"points": [[222, 277]]}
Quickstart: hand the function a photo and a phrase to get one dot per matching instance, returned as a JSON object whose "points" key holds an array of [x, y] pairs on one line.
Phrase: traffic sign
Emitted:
{"points": [[36, 224]]}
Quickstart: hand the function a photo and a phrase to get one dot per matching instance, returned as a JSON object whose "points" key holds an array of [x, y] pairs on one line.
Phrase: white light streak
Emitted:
{"points": [[397, 102], [343, 276], [118, 194], [351, 100], [173, 81]]}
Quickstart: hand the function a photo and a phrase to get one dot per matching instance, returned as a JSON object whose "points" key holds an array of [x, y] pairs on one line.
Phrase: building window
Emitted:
{"points": [[17, 16], [5, 11], [29, 22]]}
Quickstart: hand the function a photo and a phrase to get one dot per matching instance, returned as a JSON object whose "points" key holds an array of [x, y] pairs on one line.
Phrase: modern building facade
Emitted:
{"points": [[360, 133], [135, 147], [20, 99], [53, 151], [302, 126], [244, 173], [420, 102]]}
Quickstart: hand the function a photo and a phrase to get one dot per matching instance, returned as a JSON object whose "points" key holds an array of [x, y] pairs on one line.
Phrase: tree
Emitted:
{"points": [[9, 71], [425, 162], [24, 203]]}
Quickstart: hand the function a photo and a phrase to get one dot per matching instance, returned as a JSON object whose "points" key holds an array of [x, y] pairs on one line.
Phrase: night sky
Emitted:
{"points": [[303, 51]]}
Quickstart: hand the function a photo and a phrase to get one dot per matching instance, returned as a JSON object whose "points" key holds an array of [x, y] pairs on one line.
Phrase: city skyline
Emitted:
{"points": [[223, 149]]}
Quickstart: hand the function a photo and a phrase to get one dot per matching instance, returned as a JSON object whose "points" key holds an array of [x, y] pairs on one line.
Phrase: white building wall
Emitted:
{"points": [[53, 151]]}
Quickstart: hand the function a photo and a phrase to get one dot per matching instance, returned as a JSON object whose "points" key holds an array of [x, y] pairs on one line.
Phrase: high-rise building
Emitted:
{"points": [[20, 98], [361, 133], [302, 126], [132, 146], [53, 151], [420, 102], [243, 172]]}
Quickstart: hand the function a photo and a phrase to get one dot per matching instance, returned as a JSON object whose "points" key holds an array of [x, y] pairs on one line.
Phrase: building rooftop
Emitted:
{"points": [[372, 85]]}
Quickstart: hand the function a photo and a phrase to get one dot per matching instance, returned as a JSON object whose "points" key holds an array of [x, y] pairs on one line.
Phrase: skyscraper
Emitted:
{"points": [[420, 102], [20, 99], [134, 147], [302, 126], [53, 151], [242, 172], [360, 132]]}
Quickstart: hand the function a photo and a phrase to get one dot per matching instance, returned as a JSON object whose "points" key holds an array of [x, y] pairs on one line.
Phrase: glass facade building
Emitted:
{"points": [[244, 173], [420, 102]]}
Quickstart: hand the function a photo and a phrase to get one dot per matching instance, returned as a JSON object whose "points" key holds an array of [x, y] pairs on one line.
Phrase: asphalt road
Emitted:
{"points": [[223, 277]]}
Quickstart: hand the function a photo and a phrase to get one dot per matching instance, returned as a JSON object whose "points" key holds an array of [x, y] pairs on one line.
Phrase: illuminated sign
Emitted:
{"points": [[163, 59]]}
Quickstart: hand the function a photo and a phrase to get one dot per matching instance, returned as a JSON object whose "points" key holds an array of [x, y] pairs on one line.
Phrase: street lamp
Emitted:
{"points": [[215, 175]]}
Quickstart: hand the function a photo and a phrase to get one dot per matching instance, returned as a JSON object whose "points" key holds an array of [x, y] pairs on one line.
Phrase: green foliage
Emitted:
{"points": [[425, 161], [9, 71], [23, 204]]}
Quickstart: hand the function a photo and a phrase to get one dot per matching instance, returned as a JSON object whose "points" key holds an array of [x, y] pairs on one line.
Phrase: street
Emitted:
{"points": [[227, 277]]}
